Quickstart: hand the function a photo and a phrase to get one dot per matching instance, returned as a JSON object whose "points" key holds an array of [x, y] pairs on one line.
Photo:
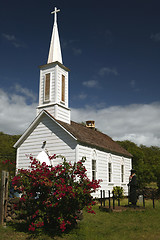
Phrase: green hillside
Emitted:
{"points": [[7, 152], [146, 162]]}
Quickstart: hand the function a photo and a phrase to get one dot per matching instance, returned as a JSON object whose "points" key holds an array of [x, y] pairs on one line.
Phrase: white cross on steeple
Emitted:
{"points": [[55, 12]]}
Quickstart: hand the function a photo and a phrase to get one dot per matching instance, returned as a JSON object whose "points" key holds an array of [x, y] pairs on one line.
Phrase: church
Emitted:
{"points": [[53, 132]]}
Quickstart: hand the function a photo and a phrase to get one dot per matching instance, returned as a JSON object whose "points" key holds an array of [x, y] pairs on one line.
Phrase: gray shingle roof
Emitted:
{"points": [[94, 138]]}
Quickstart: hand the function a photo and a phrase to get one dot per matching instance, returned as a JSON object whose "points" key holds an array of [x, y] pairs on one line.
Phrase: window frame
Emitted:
{"points": [[63, 88], [122, 173], [47, 86], [94, 169], [109, 172]]}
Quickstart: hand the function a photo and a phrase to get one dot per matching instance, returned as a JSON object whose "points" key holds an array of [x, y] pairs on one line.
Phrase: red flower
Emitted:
{"points": [[63, 226], [32, 227], [22, 199]]}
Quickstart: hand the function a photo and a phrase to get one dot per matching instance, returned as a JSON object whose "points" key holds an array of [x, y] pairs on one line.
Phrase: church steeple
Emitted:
{"points": [[53, 87], [55, 48]]}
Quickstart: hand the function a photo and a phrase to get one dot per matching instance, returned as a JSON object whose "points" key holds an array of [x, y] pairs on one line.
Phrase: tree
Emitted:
{"points": [[146, 162], [8, 153]]}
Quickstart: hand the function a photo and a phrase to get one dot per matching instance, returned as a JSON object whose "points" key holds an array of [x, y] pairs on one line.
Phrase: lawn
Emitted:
{"points": [[126, 225]]}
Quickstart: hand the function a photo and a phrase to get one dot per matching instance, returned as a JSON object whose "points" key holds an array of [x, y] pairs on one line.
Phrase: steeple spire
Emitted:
{"points": [[55, 48]]}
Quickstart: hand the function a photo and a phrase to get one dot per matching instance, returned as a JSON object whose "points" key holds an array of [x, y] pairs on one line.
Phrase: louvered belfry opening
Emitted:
{"points": [[47, 87], [63, 88]]}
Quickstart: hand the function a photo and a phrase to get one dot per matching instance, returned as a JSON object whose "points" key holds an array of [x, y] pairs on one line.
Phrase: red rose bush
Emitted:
{"points": [[52, 196]]}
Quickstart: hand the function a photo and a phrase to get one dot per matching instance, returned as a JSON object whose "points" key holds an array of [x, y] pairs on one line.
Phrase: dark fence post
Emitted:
{"points": [[101, 198], [118, 198], [153, 199], [113, 201], [4, 196], [104, 198], [143, 201], [109, 198]]}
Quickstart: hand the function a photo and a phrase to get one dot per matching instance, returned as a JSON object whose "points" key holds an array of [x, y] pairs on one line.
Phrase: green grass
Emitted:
{"points": [[125, 225]]}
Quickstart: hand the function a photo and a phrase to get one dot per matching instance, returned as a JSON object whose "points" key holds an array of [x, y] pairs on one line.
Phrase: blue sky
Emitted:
{"points": [[112, 49]]}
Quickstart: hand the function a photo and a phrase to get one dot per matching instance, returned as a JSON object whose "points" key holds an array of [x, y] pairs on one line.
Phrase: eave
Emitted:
{"points": [[49, 65]]}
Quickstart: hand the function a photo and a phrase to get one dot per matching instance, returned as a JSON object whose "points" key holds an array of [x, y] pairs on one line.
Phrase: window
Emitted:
{"points": [[93, 169], [63, 89], [47, 87], [109, 172], [122, 173]]}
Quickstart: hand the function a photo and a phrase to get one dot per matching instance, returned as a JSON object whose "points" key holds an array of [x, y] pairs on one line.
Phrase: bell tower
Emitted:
{"points": [[53, 87]]}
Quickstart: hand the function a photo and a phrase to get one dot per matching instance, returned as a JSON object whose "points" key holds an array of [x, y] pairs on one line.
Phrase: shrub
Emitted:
{"points": [[118, 192], [52, 196]]}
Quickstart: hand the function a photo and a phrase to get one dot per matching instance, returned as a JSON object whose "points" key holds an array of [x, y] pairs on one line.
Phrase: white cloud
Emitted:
{"points": [[134, 86], [9, 37], [13, 40], [107, 70], [90, 83], [15, 114], [77, 51], [82, 96], [71, 45], [155, 37], [137, 122], [26, 92], [132, 83]]}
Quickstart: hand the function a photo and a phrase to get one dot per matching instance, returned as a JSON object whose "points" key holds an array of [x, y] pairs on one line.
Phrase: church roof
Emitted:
{"points": [[94, 138], [82, 134]]}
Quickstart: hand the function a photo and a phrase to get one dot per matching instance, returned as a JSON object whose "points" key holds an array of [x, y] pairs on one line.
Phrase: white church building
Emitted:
{"points": [[53, 132]]}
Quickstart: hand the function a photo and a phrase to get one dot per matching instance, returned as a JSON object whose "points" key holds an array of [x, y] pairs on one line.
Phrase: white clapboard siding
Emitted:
{"points": [[58, 111], [57, 142], [116, 170], [102, 159], [63, 114], [103, 168], [48, 108], [86, 152]]}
